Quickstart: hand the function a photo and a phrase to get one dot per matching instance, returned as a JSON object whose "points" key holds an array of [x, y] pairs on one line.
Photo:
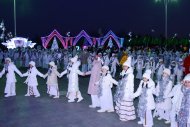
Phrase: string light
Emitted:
{"points": [[91, 40]]}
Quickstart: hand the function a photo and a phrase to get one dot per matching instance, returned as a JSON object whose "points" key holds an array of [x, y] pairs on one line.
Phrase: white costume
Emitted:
{"points": [[73, 85], [90, 61], [163, 102], [146, 100], [152, 66], [173, 68], [123, 97], [114, 62], [177, 96], [179, 70], [104, 93], [10, 70], [52, 83], [139, 67], [183, 104], [31, 80], [160, 68], [105, 59]]}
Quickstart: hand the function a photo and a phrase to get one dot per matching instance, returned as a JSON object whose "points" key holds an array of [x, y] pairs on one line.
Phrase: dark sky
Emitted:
{"points": [[40, 17]]}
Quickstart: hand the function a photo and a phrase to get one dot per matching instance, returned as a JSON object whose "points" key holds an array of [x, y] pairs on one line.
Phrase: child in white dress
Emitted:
{"points": [[31, 80], [52, 83], [104, 92], [146, 100]]}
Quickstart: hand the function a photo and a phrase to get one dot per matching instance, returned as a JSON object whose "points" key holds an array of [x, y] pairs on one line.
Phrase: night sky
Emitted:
{"points": [[37, 18]]}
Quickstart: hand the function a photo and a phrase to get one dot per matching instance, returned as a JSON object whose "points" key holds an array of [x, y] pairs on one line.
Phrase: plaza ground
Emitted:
{"points": [[21, 111]]}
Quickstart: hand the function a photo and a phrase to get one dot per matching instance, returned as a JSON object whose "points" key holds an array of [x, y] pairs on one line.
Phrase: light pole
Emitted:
{"points": [[166, 2], [15, 17]]}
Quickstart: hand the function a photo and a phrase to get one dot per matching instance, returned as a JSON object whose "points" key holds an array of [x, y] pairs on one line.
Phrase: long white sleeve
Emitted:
{"points": [[25, 74], [63, 73], [139, 90], [2, 72], [80, 73], [39, 74], [114, 81], [17, 71]]}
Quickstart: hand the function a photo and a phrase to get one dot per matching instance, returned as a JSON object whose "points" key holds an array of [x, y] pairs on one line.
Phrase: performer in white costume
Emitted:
{"points": [[139, 67], [104, 92], [105, 59], [179, 70], [183, 104], [163, 102], [73, 85], [146, 100], [31, 80], [177, 95], [52, 83], [10, 69], [159, 69], [114, 62], [125, 89]]}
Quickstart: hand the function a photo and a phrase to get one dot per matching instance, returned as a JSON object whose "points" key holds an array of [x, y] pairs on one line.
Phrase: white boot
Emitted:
{"points": [[80, 99], [56, 97], [71, 101], [7, 95], [91, 106], [140, 122], [111, 110], [27, 95], [101, 110], [37, 96]]}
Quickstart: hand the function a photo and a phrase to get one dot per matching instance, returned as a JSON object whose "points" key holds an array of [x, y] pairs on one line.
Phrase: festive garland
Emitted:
{"points": [[72, 41]]}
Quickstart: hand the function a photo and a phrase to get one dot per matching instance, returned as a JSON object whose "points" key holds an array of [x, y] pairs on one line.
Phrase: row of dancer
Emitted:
{"points": [[101, 95]]}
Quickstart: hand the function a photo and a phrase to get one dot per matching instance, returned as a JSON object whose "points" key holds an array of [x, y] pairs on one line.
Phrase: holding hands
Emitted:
{"points": [[45, 76], [84, 74]]}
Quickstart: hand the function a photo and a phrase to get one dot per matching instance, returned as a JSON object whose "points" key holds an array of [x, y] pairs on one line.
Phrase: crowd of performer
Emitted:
{"points": [[163, 91]]}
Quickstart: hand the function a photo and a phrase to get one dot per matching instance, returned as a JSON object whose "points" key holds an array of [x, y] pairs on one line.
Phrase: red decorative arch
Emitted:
{"points": [[113, 36], [47, 39], [80, 35]]}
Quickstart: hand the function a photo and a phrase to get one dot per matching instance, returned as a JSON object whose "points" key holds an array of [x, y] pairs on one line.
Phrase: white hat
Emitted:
{"points": [[8, 59], [160, 60], [52, 64], [127, 62], [146, 75], [104, 53], [187, 77], [180, 60], [32, 63], [139, 56], [105, 67], [74, 59], [167, 71], [148, 71], [99, 53]]}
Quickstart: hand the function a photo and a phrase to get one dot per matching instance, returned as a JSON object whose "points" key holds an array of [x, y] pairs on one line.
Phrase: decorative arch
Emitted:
{"points": [[80, 35], [113, 36], [47, 39]]}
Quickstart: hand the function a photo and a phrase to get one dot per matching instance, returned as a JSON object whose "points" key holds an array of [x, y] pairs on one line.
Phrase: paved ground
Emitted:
{"points": [[21, 111]]}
